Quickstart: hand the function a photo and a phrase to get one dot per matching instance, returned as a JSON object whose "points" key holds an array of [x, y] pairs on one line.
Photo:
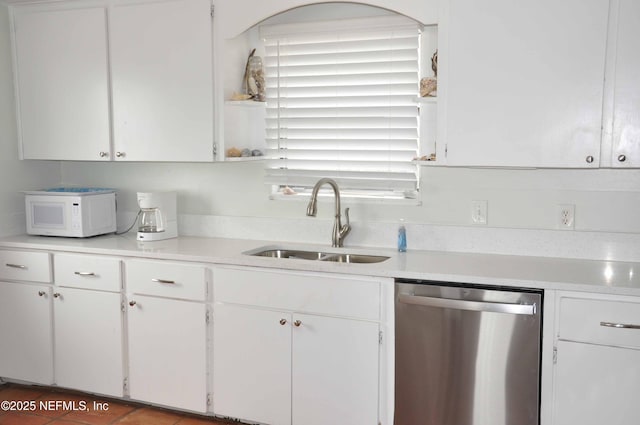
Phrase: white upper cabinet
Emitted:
{"points": [[522, 84], [161, 63], [621, 136], [62, 83], [115, 80]]}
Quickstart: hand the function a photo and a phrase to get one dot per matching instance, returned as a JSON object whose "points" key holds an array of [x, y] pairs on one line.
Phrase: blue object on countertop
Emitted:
{"points": [[402, 237]]}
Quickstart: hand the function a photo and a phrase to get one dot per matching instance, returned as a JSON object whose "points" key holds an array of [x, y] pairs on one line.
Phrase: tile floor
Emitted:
{"points": [[118, 412]]}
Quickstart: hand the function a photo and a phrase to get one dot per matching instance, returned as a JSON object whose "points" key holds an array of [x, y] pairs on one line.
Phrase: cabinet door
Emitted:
{"points": [[168, 352], [26, 351], [523, 83], [596, 385], [161, 62], [62, 85], [252, 364], [626, 108], [335, 371], [88, 336]]}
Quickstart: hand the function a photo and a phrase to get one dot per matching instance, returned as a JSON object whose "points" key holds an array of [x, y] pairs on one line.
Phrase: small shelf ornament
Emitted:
{"points": [[254, 82], [429, 85]]}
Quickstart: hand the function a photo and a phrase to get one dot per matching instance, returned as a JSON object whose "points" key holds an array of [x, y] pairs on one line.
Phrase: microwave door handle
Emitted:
{"points": [[523, 309]]}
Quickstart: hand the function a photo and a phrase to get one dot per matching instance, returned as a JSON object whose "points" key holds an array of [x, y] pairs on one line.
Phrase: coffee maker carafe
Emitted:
{"points": [[158, 216]]}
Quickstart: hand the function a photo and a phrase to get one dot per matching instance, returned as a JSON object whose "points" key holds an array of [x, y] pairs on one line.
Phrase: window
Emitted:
{"points": [[341, 103]]}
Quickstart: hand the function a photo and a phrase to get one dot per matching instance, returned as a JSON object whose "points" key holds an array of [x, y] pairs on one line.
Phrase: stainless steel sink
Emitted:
{"points": [[355, 258], [287, 253], [337, 257]]}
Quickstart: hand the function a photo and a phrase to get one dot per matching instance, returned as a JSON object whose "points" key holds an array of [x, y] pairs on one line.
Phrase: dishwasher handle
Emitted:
{"points": [[524, 309]]}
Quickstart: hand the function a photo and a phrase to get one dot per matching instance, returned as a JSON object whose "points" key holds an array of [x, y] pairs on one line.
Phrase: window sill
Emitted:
{"points": [[352, 199]]}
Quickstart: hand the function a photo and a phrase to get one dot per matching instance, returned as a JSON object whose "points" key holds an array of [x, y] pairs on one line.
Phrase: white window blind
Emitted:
{"points": [[341, 103]]}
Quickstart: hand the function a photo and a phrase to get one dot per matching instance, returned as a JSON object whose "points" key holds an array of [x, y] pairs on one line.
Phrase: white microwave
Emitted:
{"points": [[72, 212]]}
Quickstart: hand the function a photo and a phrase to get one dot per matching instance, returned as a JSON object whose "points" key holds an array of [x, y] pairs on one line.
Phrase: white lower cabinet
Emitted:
{"points": [[281, 368], [88, 341], [26, 337], [275, 363], [167, 352], [596, 385], [88, 323], [597, 367], [25, 332], [252, 364], [334, 371], [167, 333]]}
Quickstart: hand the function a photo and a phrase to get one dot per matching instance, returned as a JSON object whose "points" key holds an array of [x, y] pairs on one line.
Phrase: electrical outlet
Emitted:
{"points": [[566, 216], [479, 212]]}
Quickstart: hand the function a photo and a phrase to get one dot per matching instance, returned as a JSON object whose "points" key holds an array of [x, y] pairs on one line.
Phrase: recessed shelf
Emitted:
{"points": [[426, 163], [246, 103], [245, 158], [426, 99]]}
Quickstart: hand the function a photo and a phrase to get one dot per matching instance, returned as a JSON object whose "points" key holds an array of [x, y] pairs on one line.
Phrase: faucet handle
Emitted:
{"points": [[344, 229]]}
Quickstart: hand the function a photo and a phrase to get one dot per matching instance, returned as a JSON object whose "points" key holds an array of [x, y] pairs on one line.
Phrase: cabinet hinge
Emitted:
{"points": [[555, 355], [125, 385], [215, 151], [212, 10], [380, 337], [446, 149], [122, 308], [208, 399], [207, 317]]}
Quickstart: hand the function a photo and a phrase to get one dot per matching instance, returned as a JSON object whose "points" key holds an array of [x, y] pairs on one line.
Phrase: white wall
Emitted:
{"points": [[15, 175], [605, 200]]}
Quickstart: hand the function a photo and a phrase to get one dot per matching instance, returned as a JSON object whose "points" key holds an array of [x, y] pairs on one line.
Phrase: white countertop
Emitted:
{"points": [[611, 277]]}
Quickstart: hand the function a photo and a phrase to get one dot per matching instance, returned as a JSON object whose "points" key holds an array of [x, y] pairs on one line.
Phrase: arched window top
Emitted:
{"points": [[237, 16]]}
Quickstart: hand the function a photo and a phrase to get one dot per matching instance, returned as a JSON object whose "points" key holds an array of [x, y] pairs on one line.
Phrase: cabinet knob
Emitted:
{"points": [[119, 154], [589, 159], [41, 293], [297, 323], [622, 158], [56, 295], [132, 303], [283, 322], [104, 154]]}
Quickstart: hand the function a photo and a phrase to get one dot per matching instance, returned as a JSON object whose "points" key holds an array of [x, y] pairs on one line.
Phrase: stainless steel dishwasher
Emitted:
{"points": [[466, 354]]}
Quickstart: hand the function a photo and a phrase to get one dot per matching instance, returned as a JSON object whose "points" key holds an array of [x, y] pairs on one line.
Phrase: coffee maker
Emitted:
{"points": [[158, 216]]}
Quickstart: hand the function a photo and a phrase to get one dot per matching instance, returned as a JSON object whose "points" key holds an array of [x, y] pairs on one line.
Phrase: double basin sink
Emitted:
{"points": [[336, 257]]}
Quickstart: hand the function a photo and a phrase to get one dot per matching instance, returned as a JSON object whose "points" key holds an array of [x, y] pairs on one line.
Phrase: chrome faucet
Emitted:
{"points": [[339, 231]]}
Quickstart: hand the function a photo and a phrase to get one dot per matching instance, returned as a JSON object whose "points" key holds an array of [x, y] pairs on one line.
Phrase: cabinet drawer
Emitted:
{"points": [[25, 265], [87, 271], [166, 279], [310, 293], [586, 320]]}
